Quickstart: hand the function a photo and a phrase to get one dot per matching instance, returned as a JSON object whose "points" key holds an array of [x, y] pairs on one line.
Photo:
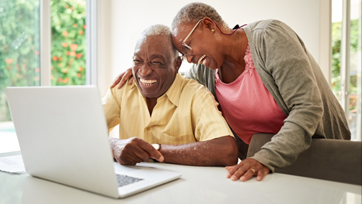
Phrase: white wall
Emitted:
{"points": [[122, 21]]}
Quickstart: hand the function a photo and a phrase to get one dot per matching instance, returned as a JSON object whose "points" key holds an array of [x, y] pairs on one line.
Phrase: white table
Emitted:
{"points": [[197, 185]]}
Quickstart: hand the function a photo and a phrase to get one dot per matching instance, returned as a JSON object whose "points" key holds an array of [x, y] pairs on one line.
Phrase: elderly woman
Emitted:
{"points": [[265, 81]]}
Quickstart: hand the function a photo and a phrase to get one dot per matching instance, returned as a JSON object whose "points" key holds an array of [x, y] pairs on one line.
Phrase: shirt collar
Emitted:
{"points": [[174, 92]]}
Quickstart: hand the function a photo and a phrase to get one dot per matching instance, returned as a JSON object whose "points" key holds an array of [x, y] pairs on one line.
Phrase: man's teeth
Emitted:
{"points": [[201, 58], [147, 82]]}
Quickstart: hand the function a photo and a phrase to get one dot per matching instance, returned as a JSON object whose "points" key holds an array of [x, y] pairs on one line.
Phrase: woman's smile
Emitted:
{"points": [[202, 58]]}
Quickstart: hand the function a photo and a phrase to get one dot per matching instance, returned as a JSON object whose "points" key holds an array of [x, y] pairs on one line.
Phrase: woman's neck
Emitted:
{"points": [[234, 64]]}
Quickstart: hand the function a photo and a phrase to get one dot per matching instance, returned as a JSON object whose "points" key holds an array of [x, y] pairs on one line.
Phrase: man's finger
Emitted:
{"points": [[129, 161], [141, 154], [126, 161], [152, 152]]}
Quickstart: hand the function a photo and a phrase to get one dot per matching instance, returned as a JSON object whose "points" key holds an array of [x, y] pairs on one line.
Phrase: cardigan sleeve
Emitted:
{"points": [[286, 71], [203, 75]]}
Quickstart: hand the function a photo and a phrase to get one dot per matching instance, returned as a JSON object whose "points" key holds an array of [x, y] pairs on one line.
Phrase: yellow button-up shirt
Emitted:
{"points": [[186, 113]]}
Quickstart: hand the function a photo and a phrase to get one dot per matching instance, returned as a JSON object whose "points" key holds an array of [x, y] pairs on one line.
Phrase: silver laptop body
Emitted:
{"points": [[62, 135]]}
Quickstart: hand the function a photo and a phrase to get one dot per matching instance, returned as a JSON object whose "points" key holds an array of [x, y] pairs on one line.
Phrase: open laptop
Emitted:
{"points": [[63, 137]]}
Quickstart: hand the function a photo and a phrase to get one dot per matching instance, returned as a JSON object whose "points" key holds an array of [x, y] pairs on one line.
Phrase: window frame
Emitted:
{"points": [[345, 68], [45, 42], [345, 55]]}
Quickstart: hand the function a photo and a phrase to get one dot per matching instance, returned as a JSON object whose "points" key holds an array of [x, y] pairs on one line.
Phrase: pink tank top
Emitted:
{"points": [[247, 105]]}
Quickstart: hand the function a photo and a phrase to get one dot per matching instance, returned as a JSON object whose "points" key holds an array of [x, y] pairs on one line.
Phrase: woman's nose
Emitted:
{"points": [[189, 58]]}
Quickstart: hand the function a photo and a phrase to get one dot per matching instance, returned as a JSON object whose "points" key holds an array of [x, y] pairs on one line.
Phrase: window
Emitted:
{"points": [[19, 48], [68, 42], [22, 52], [346, 60], [19, 57]]}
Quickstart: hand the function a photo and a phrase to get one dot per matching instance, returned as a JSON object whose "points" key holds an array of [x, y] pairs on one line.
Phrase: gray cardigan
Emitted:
{"points": [[297, 84]]}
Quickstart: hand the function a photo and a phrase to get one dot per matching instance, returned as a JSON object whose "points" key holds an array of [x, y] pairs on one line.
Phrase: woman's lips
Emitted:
{"points": [[202, 58]]}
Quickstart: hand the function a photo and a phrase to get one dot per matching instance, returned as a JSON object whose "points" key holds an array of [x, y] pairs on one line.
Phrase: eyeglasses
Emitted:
{"points": [[185, 49]]}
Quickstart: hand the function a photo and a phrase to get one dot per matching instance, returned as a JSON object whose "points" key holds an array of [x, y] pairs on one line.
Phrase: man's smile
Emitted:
{"points": [[145, 82]]}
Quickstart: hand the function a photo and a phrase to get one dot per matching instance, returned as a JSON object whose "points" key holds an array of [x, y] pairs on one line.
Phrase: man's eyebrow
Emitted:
{"points": [[157, 56]]}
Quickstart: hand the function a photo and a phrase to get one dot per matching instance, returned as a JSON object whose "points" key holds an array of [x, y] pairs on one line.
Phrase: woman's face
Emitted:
{"points": [[198, 44]]}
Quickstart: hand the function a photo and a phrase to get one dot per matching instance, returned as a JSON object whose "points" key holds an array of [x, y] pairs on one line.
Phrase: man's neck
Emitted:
{"points": [[151, 103]]}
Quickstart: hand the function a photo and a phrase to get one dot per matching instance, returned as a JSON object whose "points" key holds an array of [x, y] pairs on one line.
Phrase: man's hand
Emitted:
{"points": [[133, 150], [122, 78], [246, 169]]}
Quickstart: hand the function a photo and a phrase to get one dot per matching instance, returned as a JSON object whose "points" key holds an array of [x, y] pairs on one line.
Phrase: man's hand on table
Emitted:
{"points": [[246, 169], [133, 150]]}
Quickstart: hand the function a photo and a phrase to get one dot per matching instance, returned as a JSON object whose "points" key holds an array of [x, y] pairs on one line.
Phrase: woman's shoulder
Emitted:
{"points": [[268, 33], [265, 24]]}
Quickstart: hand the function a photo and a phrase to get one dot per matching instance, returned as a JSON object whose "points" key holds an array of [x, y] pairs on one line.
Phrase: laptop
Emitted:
{"points": [[63, 137]]}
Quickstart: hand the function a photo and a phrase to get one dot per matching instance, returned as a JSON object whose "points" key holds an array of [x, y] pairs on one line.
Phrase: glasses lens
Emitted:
{"points": [[186, 50]]}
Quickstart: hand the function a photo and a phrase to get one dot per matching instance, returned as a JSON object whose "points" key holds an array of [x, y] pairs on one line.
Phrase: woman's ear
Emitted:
{"points": [[209, 24]]}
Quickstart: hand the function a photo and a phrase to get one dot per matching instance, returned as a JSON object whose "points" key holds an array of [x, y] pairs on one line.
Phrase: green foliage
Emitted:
{"points": [[68, 42], [355, 47], [20, 45], [336, 54]]}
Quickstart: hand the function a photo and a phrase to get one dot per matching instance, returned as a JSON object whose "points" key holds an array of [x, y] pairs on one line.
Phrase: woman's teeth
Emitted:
{"points": [[147, 82], [201, 58]]}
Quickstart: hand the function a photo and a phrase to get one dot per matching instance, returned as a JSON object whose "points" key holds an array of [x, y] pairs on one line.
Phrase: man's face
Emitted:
{"points": [[155, 66]]}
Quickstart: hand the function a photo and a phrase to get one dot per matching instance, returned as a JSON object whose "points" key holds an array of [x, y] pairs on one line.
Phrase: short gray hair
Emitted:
{"points": [[193, 12], [159, 29]]}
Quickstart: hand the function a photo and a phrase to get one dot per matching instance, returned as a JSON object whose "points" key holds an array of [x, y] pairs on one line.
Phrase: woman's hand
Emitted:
{"points": [[122, 78], [246, 169]]}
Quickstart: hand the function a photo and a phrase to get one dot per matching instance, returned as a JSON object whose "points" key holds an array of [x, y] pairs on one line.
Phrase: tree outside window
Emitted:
{"points": [[20, 45]]}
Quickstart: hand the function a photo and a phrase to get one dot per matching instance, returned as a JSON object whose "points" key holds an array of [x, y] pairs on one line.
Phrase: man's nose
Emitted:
{"points": [[145, 70]]}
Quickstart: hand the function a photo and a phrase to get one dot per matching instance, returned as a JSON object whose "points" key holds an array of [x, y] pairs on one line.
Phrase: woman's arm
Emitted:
{"points": [[287, 70]]}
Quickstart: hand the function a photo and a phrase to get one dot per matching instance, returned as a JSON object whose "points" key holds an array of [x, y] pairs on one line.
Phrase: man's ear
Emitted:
{"points": [[178, 63]]}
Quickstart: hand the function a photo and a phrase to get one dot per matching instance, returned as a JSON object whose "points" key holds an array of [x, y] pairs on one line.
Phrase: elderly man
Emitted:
{"points": [[164, 116]]}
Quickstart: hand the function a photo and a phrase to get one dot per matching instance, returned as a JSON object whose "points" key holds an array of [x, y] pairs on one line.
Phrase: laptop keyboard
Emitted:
{"points": [[123, 180]]}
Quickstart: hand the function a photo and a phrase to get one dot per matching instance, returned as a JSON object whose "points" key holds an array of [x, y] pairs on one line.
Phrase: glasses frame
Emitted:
{"points": [[183, 43]]}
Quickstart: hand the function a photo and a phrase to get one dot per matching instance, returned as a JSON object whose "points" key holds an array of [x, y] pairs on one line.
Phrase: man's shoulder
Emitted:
{"points": [[126, 89], [194, 90], [191, 85]]}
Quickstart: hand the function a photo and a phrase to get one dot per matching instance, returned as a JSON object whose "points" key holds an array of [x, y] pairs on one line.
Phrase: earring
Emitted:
{"points": [[212, 30]]}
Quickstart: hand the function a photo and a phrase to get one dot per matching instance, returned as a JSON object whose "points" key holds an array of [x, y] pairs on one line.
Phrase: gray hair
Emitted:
{"points": [[193, 12], [159, 29]]}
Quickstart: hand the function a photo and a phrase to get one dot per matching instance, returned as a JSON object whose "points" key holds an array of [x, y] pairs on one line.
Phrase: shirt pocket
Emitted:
{"points": [[176, 140]]}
